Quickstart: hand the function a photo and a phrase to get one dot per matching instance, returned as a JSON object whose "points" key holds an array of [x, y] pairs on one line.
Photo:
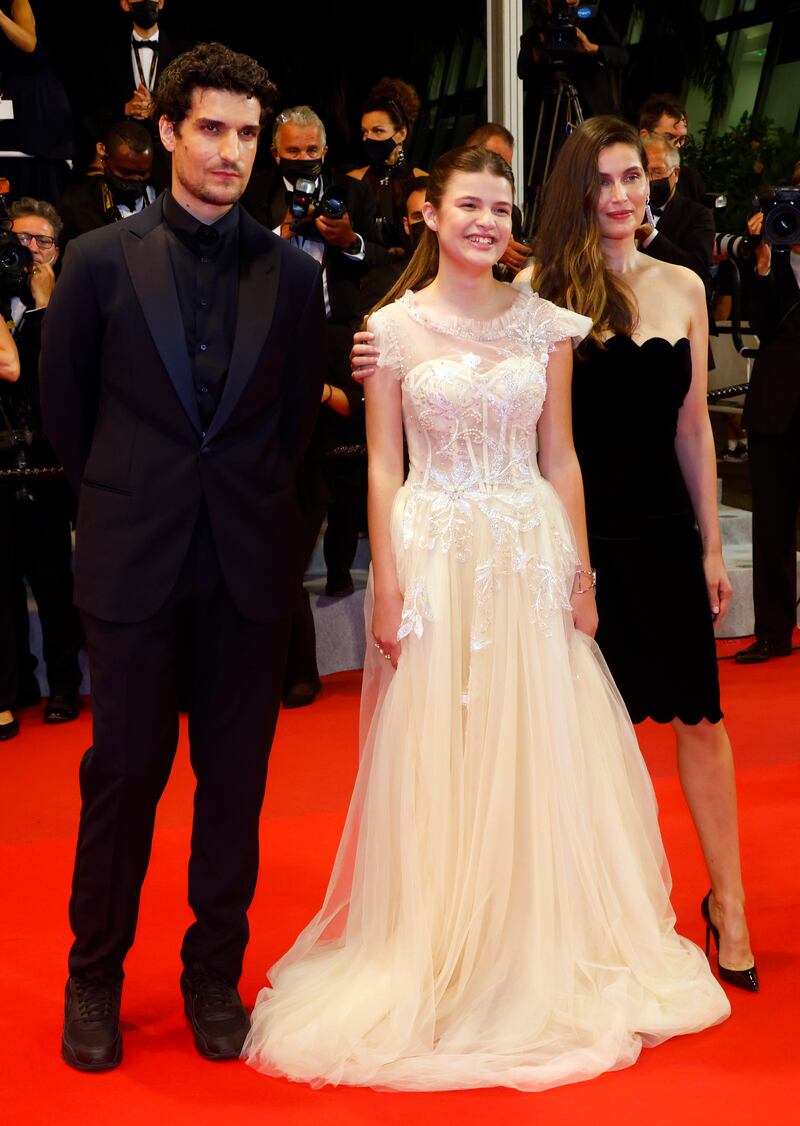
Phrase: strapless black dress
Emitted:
{"points": [[656, 630]]}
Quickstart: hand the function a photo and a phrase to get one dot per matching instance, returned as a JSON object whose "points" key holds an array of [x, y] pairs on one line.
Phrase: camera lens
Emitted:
{"points": [[785, 224]]}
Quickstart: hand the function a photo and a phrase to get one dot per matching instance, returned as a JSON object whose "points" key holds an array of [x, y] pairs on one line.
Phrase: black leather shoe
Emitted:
{"points": [[216, 1013], [761, 651], [92, 1040], [302, 694], [9, 730], [62, 707]]}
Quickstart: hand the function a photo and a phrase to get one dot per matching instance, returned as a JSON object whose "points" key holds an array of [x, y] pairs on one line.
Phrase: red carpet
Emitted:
{"points": [[744, 1072]]}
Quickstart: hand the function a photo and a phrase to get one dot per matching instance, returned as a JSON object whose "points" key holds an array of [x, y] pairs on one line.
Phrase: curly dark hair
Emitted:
{"points": [[211, 66], [396, 98]]}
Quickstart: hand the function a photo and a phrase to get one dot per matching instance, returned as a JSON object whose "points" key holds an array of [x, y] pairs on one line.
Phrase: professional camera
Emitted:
{"points": [[302, 206], [739, 247], [781, 209], [16, 260], [560, 29]]}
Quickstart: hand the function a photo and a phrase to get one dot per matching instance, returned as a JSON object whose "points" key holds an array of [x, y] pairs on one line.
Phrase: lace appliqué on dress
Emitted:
{"points": [[416, 609]]}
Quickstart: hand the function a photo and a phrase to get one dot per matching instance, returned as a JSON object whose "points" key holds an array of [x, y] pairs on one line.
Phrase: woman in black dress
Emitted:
{"points": [[386, 120], [644, 441]]}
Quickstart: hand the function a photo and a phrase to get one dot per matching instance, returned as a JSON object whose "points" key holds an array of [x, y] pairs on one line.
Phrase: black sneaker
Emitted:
{"points": [[92, 1040], [215, 1011]]}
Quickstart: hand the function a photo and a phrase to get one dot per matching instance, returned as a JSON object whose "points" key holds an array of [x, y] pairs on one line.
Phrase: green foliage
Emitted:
{"points": [[743, 162]]}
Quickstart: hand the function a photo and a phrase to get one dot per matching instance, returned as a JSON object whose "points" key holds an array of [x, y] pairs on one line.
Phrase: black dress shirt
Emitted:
{"points": [[205, 265]]}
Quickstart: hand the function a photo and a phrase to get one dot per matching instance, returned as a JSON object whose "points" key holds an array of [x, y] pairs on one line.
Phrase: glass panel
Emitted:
{"points": [[747, 62], [747, 5], [698, 105], [783, 99], [717, 9]]}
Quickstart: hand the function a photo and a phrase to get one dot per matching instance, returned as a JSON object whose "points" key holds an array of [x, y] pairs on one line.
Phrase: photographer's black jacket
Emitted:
{"points": [[773, 396], [593, 75], [265, 199]]}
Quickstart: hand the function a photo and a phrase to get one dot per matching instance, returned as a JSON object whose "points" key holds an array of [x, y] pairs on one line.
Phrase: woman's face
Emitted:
{"points": [[623, 191], [473, 221], [378, 126]]}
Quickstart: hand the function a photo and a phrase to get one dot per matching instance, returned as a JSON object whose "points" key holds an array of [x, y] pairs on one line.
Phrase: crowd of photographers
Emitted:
{"points": [[361, 225]]}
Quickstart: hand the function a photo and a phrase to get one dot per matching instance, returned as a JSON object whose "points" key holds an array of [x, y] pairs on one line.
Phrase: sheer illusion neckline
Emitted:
{"points": [[473, 328]]}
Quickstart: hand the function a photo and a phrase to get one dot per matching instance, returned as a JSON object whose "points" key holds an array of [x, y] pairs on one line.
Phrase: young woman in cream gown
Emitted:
{"points": [[498, 913]]}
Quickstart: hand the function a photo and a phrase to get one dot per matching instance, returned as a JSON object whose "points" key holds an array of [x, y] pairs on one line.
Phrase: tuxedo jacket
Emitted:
{"points": [[119, 407], [116, 77], [685, 236], [773, 394], [265, 198], [82, 208]]}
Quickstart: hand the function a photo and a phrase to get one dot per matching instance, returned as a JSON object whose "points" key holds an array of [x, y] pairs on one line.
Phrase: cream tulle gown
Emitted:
{"points": [[499, 910]]}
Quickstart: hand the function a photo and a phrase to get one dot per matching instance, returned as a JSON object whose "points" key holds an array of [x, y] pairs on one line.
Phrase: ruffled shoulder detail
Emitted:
{"points": [[384, 325], [560, 324]]}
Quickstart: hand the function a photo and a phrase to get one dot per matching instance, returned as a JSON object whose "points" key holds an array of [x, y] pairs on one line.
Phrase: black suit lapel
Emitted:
{"points": [[147, 256], [259, 273]]}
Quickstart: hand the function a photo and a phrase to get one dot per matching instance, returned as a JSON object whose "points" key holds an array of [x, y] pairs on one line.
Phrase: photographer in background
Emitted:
{"points": [[123, 189], [35, 514], [9, 726], [772, 420], [682, 231], [593, 64], [664, 116], [332, 219]]}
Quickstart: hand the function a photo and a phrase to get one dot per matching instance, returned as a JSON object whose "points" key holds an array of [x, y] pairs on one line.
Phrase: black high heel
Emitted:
{"points": [[744, 979]]}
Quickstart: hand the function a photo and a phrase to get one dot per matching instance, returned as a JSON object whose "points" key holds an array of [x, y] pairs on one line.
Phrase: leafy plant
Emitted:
{"points": [[743, 162]]}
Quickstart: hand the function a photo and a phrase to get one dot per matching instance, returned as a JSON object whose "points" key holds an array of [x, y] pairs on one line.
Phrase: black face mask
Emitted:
{"points": [[416, 231], [144, 13], [660, 191], [126, 192], [292, 169], [377, 152]]}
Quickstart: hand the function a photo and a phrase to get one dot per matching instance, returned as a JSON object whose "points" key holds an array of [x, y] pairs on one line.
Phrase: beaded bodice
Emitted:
{"points": [[472, 395]]}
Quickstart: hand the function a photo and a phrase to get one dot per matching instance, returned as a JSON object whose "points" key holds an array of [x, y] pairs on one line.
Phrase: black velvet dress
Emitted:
{"points": [[656, 630]]}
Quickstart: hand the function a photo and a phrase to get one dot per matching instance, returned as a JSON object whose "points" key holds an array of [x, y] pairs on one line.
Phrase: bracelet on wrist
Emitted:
{"points": [[591, 574]]}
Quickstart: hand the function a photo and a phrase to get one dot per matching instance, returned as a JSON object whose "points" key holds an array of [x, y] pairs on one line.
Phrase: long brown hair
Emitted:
{"points": [[570, 269], [424, 264]]}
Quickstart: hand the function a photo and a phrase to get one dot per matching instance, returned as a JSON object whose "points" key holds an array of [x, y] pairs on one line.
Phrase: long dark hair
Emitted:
{"points": [[570, 269], [424, 264]]}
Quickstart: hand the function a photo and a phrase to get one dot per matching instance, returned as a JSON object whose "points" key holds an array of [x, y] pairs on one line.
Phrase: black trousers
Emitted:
{"points": [[775, 476], [236, 678], [37, 547], [334, 487]]}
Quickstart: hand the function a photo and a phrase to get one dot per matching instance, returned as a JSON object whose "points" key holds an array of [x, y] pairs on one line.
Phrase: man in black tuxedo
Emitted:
{"points": [[664, 115], [127, 71], [182, 367], [683, 232], [772, 420], [123, 189], [346, 250]]}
